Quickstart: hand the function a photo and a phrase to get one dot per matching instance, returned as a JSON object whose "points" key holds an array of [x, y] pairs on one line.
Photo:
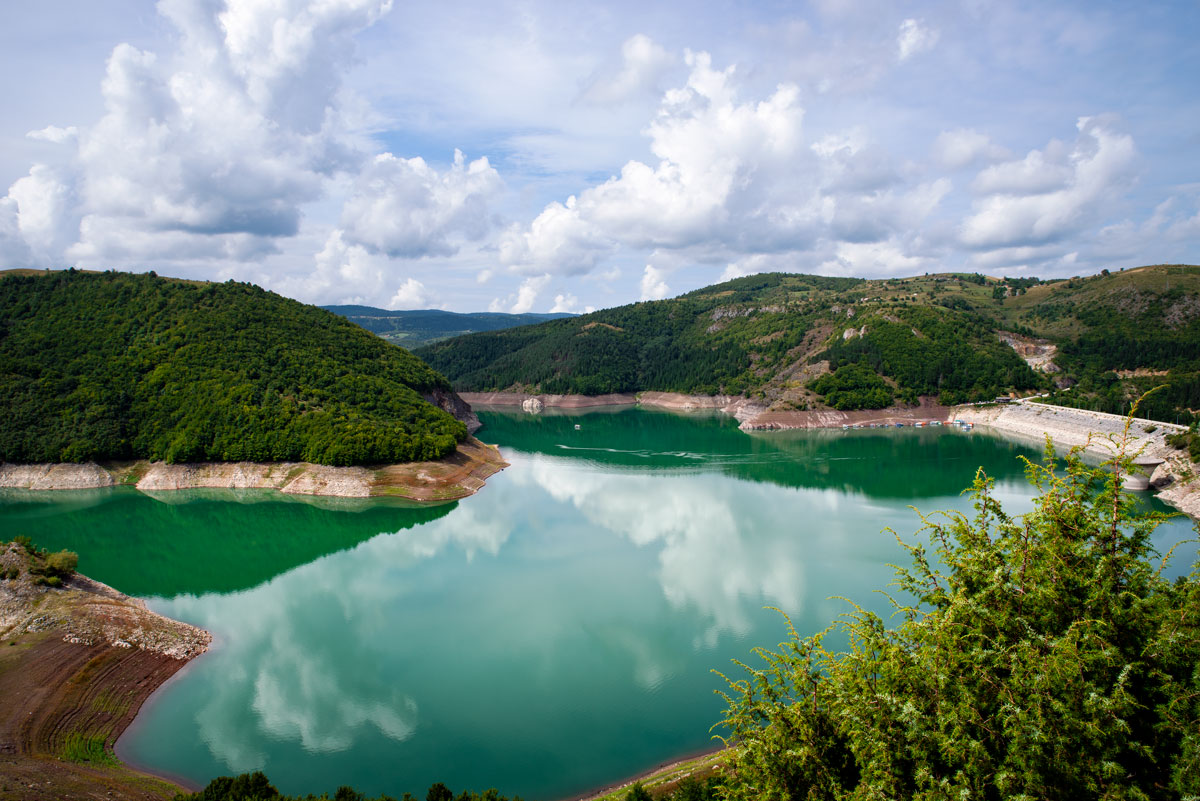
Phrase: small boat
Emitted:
{"points": [[577, 426], [899, 425], [919, 424], [845, 426], [936, 423]]}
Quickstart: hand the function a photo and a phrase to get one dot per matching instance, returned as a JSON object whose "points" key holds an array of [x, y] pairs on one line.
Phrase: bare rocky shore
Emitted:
{"points": [[1029, 422], [79, 661], [457, 476], [751, 414], [1100, 435]]}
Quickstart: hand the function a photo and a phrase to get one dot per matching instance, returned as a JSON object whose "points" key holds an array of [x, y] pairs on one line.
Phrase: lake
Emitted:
{"points": [[553, 633]]}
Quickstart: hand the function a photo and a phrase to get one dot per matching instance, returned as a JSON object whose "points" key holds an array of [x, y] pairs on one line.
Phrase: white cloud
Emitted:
{"points": [[565, 302], [46, 221], [963, 147], [14, 251], [1038, 173], [219, 142], [405, 208], [1051, 193], [54, 134], [874, 258], [411, 295], [721, 176], [643, 63], [528, 292], [483, 276], [654, 284], [914, 37]]}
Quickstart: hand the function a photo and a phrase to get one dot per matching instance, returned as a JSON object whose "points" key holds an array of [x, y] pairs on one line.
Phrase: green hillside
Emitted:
{"points": [[416, 327], [760, 335], [802, 342], [112, 366]]}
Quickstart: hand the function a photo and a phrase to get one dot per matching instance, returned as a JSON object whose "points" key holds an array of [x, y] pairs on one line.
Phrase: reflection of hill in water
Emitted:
{"points": [[888, 463], [213, 544]]}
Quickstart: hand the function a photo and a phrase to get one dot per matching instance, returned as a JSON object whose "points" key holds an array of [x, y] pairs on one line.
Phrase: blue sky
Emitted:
{"points": [[538, 156]]}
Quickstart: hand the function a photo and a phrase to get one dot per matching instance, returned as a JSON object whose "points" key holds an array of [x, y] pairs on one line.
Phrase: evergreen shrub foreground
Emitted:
{"points": [[1047, 659]]}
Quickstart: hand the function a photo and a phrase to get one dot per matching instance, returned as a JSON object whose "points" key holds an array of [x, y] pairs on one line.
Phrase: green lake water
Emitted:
{"points": [[551, 634]]}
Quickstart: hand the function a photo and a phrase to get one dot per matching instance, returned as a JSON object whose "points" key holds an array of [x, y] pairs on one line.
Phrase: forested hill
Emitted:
{"points": [[110, 366], [416, 327], [800, 341]]}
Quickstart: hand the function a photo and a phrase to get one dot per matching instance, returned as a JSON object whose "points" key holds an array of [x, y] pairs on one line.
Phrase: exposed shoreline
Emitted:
{"points": [[1024, 421], [1098, 434], [79, 663], [457, 476], [752, 415]]}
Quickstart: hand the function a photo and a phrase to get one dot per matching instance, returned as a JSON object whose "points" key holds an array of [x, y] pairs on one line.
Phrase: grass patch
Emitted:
{"points": [[87, 749], [110, 703]]}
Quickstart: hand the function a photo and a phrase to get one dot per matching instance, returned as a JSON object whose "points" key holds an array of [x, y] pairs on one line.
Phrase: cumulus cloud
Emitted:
{"points": [[963, 147], [715, 182], [643, 62], [914, 37], [405, 208], [45, 216], [1050, 193], [226, 138], [54, 134], [523, 299], [874, 258], [654, 284], [344, 272], [14, 251], [210, 153], [411, 295]]}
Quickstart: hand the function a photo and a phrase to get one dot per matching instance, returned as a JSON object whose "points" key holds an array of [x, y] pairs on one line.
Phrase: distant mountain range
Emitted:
{"points": [[800, 342], [414, 328]]}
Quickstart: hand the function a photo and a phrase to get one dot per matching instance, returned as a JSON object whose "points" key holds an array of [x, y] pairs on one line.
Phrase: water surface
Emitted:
{"points": [[553, 633]]}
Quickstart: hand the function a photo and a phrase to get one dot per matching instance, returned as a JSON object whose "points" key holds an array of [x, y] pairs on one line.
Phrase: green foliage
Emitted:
{"points": [[1187, 440], [256, 787], [1044, 658], [46, 568], [88, 749], [118, 366], [732, 338], [1176, 395], [637, 792], [853, 386], [930, 351]]}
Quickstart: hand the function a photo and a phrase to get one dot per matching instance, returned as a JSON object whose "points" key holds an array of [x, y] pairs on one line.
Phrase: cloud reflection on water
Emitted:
{"points": [[561, 578]]}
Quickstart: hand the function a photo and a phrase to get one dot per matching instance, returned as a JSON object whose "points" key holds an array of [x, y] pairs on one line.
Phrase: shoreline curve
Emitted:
{"points": [[459, 475]]}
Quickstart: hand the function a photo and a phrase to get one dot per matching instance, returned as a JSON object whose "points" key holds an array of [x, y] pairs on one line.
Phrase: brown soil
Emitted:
{"points": [[457, 476], [76, 664], [55, 690], [926, 412]]}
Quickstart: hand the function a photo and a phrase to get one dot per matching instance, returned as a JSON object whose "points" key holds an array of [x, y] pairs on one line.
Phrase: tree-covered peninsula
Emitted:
{"points": [[114, 366]]}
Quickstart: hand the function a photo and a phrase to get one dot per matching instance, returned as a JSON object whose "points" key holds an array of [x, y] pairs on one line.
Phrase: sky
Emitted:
{"points": [[547, 156]]}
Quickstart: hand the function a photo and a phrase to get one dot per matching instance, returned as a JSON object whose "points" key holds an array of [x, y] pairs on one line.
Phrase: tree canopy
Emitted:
{"points": [[118, 366]]}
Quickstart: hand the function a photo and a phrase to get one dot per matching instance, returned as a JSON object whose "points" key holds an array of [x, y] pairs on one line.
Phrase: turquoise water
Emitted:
{"points": [[553, 633]]}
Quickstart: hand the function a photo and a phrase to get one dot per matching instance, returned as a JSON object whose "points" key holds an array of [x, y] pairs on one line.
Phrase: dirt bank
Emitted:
{"points": [[926, 412], [1098, 434], [457, 476], [516, 399], [751, 414], [76, 664]]}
